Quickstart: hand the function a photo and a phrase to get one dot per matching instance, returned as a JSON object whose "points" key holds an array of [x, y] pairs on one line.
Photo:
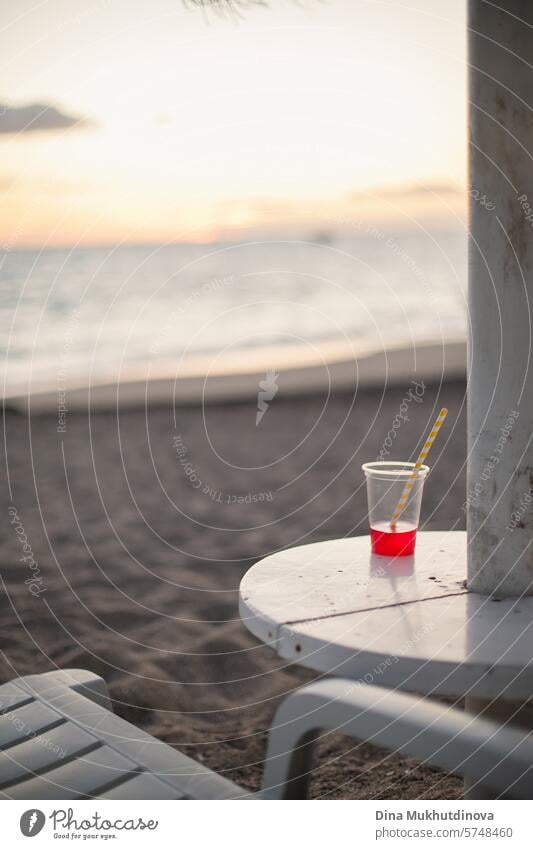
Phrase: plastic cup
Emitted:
{"points": [[385, 483]]}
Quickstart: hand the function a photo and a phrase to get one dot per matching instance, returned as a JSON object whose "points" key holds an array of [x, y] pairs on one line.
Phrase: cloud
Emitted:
{"points": [[36, 117], [411, 190]]}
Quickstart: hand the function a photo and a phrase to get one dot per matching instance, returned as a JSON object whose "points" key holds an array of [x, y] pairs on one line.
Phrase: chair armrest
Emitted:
{"points": [[499, 757], [85, 683]]}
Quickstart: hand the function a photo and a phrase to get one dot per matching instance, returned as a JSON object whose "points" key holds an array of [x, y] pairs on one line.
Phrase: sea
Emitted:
{"points": [[91, 313]]}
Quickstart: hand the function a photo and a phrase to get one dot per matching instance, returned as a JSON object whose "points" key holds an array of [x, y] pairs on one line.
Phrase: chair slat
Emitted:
{"points": [[21, 723], [43, 752], [143, 786], [86, 776], [12, 697]]}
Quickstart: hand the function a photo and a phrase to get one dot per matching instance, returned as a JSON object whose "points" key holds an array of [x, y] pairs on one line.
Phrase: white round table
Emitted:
{"points": [[406, 623]]}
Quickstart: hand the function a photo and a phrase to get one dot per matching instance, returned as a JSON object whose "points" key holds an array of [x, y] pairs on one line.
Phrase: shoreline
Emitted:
{"points": [[199, 381]]}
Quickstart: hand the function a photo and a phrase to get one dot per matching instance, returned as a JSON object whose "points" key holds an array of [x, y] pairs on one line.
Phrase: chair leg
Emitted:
{"points": [[508, 714], [498, 758], [290, 766]]}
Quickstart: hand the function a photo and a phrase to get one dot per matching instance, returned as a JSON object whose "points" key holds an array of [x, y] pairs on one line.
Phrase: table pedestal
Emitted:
{"points": [[519, 715]]}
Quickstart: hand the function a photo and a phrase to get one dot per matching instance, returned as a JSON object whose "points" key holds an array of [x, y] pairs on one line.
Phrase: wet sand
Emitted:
{"points": [[142, 524]]}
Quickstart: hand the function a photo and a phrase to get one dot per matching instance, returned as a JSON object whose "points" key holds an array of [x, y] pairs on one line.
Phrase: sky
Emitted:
{"points": [[154, 121]]}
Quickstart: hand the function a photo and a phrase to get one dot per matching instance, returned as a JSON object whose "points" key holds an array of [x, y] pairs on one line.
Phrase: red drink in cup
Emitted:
{"points": [[385, 487], [393, 542]]}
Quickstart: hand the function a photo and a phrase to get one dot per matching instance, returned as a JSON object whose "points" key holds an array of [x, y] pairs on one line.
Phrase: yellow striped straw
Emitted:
{"points": [[421, 457]]}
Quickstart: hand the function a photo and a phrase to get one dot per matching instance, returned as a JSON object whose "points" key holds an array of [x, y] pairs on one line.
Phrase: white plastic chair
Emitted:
{"points": [[496, 761], [60, 740]]}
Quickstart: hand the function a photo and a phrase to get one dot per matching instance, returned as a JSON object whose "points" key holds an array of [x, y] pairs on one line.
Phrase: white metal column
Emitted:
{"points": [[500, 392]]}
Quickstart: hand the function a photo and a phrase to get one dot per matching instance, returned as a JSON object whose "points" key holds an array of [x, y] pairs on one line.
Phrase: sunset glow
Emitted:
{"points": [[311, 112]]}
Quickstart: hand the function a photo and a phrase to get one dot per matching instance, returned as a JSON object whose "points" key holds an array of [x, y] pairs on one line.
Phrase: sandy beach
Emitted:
{"points": [[141, 524]]}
